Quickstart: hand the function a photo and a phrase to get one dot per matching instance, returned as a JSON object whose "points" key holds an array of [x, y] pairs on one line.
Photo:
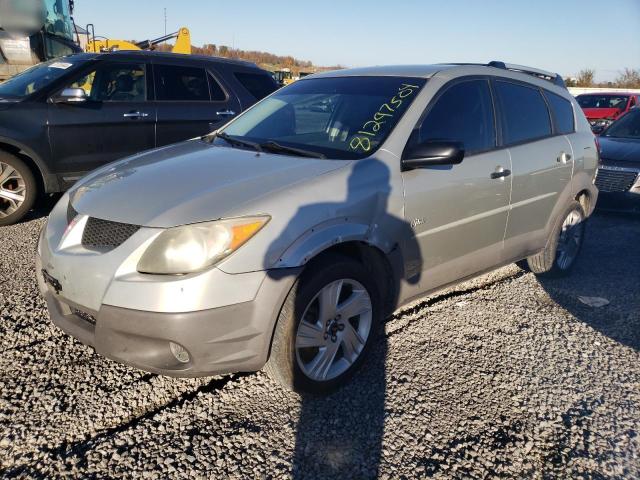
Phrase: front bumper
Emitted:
{"points": [[230, 338], [224, 322]]}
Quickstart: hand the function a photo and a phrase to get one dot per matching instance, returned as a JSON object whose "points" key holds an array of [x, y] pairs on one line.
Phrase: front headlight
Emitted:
{"points": [[192, 248]]}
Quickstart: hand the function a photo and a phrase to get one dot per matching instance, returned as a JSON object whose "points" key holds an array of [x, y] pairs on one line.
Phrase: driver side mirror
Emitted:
{"points": [[70, 95], [432, 153]]}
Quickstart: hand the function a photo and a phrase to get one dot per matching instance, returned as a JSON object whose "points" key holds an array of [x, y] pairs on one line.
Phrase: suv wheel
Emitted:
{"points": [[18, 189], [563, 248], [326, 326]]}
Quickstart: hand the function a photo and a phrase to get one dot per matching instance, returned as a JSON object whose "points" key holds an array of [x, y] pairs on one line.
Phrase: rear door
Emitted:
{"points": [[542, 162], [459, 212], [116, 120], [190, 101]]}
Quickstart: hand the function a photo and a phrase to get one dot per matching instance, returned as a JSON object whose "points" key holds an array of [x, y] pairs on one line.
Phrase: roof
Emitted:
{"points": [[420, 71], [617, 93], [169, 55], [427, 71]]}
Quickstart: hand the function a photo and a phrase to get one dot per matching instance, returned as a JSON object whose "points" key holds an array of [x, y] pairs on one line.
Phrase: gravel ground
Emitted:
{"points": [[502, 376]]}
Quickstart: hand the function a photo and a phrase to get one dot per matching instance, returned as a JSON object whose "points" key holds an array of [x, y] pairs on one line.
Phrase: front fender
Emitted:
{"points": [[50, 182], [320, 238]]}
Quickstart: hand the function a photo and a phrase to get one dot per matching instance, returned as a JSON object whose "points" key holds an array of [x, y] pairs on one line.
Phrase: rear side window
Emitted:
{"points": [[525, 115], [562, 113], [258, 85], [463, 113], [178, 83]]}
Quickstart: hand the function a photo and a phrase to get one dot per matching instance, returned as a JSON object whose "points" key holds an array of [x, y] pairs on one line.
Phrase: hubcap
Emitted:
{"points": [[12, 190], [570, 239], [334, 329]]}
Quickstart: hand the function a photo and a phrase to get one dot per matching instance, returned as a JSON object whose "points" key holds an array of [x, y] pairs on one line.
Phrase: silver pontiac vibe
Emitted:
{"points": [[284, 238]]}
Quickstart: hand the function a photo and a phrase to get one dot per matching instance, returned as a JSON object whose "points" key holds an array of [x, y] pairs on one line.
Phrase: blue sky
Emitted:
{"points": [[560, 35]]}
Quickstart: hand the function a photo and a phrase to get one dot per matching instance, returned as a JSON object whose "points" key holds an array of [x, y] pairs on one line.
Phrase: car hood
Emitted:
{"points": [[620, 150], [189, 182], [595, 113]]}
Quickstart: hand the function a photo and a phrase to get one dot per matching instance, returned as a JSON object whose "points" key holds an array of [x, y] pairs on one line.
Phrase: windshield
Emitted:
{"points": [[35, 78], [58, 19], [340, 117], [603, 101], [628, 126]]}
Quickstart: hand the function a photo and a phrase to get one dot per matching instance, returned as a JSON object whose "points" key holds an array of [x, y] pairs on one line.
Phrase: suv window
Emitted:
{"points": [[258, 85], [463, 113], [217, 93], [178, 83], [524, 113], [562, 113], [114, 83]]}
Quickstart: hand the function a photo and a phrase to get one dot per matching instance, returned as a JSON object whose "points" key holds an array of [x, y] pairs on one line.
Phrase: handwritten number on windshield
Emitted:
{"points": [[370, 129]]}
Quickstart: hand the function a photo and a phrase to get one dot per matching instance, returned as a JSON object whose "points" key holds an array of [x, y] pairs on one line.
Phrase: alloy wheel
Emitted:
{"points": [[12, 190], [570, 239], [334, 329]]}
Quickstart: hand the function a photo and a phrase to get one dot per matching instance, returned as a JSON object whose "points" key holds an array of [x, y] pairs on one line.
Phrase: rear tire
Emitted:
{"points": [[315, 351], [563, 247], [18, 189]]}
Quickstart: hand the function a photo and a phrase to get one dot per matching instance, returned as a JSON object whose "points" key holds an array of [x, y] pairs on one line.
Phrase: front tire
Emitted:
{"points": [[562, 250], [18, 190], [326, 326]]}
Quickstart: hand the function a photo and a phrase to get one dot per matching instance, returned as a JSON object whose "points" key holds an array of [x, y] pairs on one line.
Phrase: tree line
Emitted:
{"points": [[627, 78], [265, 60]]}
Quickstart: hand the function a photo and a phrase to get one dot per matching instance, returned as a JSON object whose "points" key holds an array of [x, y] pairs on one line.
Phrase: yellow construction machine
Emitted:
{"points": [[101, 44]]}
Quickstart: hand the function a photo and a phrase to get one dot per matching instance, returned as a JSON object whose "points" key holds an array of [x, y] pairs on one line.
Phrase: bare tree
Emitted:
{"points": [[585, 77], [628, 78]]}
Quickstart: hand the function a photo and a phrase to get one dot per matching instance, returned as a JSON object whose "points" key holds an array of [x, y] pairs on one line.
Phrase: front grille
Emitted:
{"points": [[615, 180], [105, 234]]}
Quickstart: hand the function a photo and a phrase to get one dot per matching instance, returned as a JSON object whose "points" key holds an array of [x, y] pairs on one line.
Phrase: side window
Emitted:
{"points": [[114, 83], [524, 113], [258, 85], [562, 113], [217, 93], [178, 83], [463, 113]]}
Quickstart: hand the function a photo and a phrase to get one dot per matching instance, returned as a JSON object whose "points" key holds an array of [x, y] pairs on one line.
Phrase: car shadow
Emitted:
{"points": [[608, 268], [340, 435], [42, 208]]}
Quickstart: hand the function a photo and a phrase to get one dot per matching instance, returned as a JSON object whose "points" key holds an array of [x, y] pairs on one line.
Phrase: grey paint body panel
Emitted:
{"points": [[435, 225]]}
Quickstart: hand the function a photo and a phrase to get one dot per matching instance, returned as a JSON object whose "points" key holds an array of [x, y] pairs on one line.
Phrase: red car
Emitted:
{"points": [[601, 109]]}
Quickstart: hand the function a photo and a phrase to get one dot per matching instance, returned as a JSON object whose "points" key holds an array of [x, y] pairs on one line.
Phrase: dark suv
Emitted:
{"points": [[66, 117]]}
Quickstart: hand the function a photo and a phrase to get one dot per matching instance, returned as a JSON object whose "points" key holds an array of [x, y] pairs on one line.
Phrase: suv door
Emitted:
{"points": [[542, 165], [114, 121], [459, 212], [190, 102]]}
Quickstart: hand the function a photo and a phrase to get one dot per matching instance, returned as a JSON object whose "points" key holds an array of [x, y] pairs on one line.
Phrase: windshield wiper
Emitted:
{"points": [[235, 141], [276, 147]]}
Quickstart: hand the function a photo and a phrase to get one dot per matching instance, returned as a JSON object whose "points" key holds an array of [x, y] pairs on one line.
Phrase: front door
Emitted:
{"points": [[114, 121], [190, 102], [459, 212]]}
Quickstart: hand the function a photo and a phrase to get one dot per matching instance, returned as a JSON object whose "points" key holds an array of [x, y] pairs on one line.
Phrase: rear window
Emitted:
{"points": [[258, 85], [178, 83], [524, 113], [562, 113]]}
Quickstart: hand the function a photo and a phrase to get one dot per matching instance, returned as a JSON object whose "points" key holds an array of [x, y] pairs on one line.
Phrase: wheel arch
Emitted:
{"points": [[41, 173]]}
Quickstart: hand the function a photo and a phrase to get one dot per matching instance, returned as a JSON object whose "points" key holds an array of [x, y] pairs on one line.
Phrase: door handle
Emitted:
{"points": [[134, 115], [564, 157], [226, 113], [500, 173]]}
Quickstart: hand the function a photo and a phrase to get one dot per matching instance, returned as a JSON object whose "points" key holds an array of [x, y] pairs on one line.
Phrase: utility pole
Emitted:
{"points": [[165, 20]]}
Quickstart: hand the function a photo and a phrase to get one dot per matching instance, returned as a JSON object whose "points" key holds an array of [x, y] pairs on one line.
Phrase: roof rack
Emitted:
{"points": [[536, 72]]}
